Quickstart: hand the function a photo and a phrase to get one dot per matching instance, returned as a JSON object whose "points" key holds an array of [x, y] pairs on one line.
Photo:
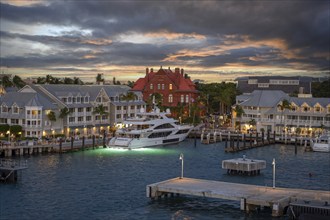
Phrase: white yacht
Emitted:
{"points": [[149, 129], [321, 144]]}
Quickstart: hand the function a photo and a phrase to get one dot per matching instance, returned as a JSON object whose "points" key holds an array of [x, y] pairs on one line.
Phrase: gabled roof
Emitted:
{"points": [[264, 98], [26, 99], [310, 101]]}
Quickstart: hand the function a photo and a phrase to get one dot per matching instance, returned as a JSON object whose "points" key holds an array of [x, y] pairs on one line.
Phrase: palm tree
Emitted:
{"points": [[100, 110], [128, 96], [51, 117], [239, 112], [285, 104], [64, 112]]}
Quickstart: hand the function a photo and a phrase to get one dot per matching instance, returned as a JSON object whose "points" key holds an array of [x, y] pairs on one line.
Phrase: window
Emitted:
{"points": [[182, 98], [118, 116], [74, 100], [158, 86], [187, 98], [88, 118], [163, 86], [318, 109], [86, 99], [170, 98], [99, 99], [132, 107], [118, 108], [151, 86], [305, 109], [170, 87], [4, 109], [15, 110], [88, 109], [80, 109], [71, 119], [80, 119], [69, 100], [14, 121]]}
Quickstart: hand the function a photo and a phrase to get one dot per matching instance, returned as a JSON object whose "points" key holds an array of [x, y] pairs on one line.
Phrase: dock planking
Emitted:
{"points": [[249, 196]]}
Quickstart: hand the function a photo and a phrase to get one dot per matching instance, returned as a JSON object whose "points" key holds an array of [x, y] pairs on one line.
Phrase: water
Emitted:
{"points": [[111, 184]]}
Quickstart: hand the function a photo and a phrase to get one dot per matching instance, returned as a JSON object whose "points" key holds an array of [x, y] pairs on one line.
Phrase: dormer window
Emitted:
{"points": [[318, 109], [4, 109], [15, 110], [86, 99], [305, 108], [69, 99], [293, 108]]}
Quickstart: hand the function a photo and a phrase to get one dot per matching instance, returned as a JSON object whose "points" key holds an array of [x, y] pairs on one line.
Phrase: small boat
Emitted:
{"points": [[149, 129], [321, 144]]}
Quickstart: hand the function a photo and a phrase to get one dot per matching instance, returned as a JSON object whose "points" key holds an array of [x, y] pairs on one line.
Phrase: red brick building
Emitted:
{"points": [[174, 87]]}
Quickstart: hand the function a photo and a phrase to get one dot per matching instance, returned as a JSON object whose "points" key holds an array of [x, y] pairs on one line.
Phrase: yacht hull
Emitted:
{"points": [[132, 143]]}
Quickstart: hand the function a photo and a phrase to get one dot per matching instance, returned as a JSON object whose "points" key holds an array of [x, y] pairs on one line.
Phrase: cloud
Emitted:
{"points": [[196, 34]]}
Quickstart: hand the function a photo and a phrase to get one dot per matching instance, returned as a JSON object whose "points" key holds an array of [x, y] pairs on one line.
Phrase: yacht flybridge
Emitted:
{"points": [[149, 129]]}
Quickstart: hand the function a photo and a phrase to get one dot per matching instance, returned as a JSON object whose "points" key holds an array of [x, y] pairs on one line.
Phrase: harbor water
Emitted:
{"points": [[111, 183]]}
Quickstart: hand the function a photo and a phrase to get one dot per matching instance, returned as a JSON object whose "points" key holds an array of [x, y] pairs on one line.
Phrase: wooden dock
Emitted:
{"points": [[249, 196]]}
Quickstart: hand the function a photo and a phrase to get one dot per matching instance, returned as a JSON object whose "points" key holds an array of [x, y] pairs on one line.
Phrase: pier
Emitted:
{"points": [[245, 166], [249, 196], [70, 145], [9, 168]]}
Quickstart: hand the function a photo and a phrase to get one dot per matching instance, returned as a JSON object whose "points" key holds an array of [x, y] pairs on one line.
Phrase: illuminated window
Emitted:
{"points": [[170, 98], [170, 86]]}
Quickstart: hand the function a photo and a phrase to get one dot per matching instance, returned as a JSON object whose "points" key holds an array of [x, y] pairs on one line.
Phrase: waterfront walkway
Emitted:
{"points": [[250, 196]]}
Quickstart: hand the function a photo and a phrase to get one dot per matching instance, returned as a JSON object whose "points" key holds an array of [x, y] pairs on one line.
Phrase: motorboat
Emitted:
{"points": [[321, 144], [148, 129]]}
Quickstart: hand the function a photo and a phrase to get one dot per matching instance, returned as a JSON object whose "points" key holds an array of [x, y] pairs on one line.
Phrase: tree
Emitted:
{"points": [[4, 128], [15, 129], [128, 96], [64, 112], [155, 99], [99, 78], [100, 110], [285, 104], [18, 82], [239, 112], [252, 122], [6, 81]]}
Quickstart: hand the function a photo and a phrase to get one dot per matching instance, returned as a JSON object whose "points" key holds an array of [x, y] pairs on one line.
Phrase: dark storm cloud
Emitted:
{"points": [[302, 25]]}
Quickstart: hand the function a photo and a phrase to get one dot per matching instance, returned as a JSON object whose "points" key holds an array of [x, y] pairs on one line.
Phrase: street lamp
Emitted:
{"points": [[181, 158], [273, 163], [8, 132]]}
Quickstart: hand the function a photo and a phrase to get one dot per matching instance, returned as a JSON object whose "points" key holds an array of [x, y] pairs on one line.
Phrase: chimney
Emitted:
{"points": [[147, 71], [169, 68], [177, 70], [151, 70], [182, 71]]}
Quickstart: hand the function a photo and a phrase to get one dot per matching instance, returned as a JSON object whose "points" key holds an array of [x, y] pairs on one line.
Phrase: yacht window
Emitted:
{"points": [[163, 126]]}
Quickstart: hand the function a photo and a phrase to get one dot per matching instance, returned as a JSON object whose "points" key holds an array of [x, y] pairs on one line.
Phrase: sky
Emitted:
{"points": [[212, 41]]}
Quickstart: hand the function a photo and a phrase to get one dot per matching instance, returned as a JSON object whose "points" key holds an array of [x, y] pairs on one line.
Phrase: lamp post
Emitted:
{"points": [[8, 132], [181, 158], [273, 163]]}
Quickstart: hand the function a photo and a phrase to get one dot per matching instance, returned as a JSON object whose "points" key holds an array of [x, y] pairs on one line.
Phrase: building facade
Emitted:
{"points": [[30, 108], [174, 87], [289, 85], [308, 115]]}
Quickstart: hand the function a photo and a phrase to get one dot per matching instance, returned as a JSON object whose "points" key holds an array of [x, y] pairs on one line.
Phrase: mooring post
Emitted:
{"points": [[244, 140], [60, 145], [250, 140], [195, 141], [72, 139], [268, 136], [83, 142], [104, 146]]}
